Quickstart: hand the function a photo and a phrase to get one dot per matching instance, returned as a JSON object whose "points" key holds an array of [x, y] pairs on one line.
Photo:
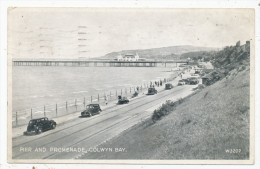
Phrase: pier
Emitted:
{"points": [[99, 63]]}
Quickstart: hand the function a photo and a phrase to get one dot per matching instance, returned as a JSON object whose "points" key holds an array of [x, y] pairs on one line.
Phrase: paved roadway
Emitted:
{"points": [[90, 132]]}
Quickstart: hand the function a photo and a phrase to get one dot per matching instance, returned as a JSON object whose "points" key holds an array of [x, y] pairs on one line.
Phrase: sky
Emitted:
{"points": [[94, 32]]}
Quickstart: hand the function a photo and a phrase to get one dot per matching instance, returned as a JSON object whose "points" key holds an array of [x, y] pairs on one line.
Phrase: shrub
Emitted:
{"points": [[165, 109]]}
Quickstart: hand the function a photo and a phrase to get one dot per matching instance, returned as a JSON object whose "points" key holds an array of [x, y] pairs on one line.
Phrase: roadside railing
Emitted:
{"points": [[22, 117]]}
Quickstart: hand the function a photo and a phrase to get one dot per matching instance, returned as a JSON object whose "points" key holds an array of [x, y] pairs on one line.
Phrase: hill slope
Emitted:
{"points": [[206, 125]]}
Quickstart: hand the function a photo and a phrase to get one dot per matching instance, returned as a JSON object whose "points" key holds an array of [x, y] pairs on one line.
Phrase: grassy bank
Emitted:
{"points": [[204, 126]]}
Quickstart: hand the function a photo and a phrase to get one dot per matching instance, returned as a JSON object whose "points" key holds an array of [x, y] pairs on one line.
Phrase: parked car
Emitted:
{"points": [[181, 82], [152, 91], [91, 109], [197, 72], [168, 86], [122, 100], [193, 81], [37, 126], [186, 81]]}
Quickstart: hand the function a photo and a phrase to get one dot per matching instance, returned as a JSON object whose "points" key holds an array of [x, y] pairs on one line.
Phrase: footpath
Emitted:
{"points": [[18, 131]]}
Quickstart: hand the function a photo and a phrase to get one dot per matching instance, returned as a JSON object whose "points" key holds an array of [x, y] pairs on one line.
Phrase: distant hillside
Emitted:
{"points": [[197, 54], [171, 52]]}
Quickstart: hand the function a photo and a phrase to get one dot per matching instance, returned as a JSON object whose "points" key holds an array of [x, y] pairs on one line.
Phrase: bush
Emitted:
{"points": [[165, 109]]}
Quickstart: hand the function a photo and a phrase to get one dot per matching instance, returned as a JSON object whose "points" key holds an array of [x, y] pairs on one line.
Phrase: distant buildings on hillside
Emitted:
{"points": [[128, 57], [245, 47]]}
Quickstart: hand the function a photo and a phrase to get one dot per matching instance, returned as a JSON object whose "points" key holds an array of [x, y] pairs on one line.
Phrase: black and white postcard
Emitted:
{"points": [[130, 85]]}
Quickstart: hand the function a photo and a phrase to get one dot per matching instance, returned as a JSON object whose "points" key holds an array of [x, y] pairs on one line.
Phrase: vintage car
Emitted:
{"points": [[91, 109], [122, 100], [168, 86], [37, 126], [197, 72], [181, 82], [186, 81], [152, 91], [193, 81]]}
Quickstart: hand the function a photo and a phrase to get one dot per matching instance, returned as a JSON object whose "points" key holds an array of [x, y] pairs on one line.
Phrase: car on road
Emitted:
{"points": [[122, 100], [91, 109], [197, 72], [37, 126], [168, 86], [186, 80], [181, 82], [152, 91], [193, 81]]}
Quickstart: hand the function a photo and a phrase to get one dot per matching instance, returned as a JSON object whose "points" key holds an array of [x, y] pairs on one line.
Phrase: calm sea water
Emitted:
{"points": [[38, 86]]}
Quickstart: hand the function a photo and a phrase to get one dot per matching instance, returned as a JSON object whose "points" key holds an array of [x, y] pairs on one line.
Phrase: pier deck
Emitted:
{"points": [[97, 63]]}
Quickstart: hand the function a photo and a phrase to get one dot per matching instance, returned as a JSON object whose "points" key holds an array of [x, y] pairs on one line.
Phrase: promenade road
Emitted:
{"points": [[81, 134]]}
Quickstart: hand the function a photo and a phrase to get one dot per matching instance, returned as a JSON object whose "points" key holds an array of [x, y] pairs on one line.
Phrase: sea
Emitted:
{"points": [[35, 86]]}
